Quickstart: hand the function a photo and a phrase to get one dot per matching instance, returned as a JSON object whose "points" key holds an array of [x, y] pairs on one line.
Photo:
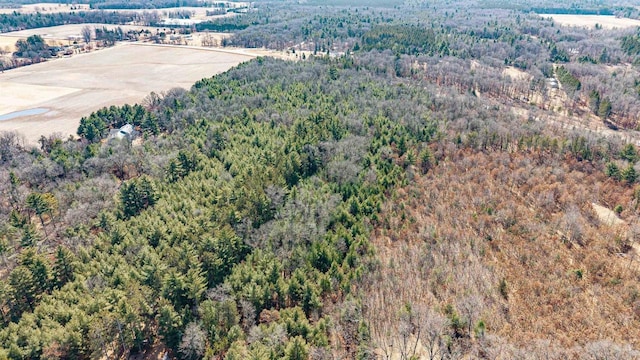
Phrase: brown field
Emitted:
{"points": [[59, 35], [8, 43], [74, 87], [63, 32], [590, 21]]}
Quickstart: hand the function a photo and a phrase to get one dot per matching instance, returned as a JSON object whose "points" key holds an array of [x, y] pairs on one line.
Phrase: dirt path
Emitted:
{"points": [[606, 215]]}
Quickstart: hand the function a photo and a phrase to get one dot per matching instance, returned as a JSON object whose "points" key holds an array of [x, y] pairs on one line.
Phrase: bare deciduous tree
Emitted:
{"points": [[607, 350], [433, 335], [87, 34], [193, 342]]}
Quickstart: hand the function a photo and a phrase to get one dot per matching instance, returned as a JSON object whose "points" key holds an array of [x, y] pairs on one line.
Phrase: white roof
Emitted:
{"points": [[126, 129]]}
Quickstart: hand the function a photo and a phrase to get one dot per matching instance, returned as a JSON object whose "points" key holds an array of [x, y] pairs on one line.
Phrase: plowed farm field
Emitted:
{"points": [[51, 97]]}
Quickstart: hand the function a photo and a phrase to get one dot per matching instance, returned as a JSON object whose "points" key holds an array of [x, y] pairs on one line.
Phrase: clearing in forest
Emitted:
{"points": [[73, 87], [590, 21]]}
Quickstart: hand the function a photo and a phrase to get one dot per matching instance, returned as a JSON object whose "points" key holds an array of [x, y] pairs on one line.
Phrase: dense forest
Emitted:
{"points": [[416, 187], [272, 198], [476, 39]]}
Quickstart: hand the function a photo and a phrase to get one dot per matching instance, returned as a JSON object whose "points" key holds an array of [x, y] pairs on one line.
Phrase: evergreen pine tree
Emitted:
{"points": [[63, 267]]}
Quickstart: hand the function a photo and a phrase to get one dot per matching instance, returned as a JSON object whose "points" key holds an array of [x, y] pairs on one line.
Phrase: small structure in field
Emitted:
{"points": [[74, 39], [179, 22], [125, 132]]}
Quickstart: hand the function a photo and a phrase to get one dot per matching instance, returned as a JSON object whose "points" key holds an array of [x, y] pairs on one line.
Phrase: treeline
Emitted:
{"points": [[220, 27], [19, 21], [145, 4], [363, 3], [545, 7], [571, 11], [34, 47]]}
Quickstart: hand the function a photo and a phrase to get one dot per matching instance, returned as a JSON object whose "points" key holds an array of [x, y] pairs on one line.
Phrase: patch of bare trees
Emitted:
{"points": [[485, 270]]}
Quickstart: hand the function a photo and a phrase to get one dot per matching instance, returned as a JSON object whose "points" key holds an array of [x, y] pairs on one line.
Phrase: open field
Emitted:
{"points": [[59, 35], [74, 87], [22, 96], [63, 32], [590, 21], [8, 43]]}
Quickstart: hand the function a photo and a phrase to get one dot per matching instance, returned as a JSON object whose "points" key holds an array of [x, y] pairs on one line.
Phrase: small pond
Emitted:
{"points": [[28, 112]]}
